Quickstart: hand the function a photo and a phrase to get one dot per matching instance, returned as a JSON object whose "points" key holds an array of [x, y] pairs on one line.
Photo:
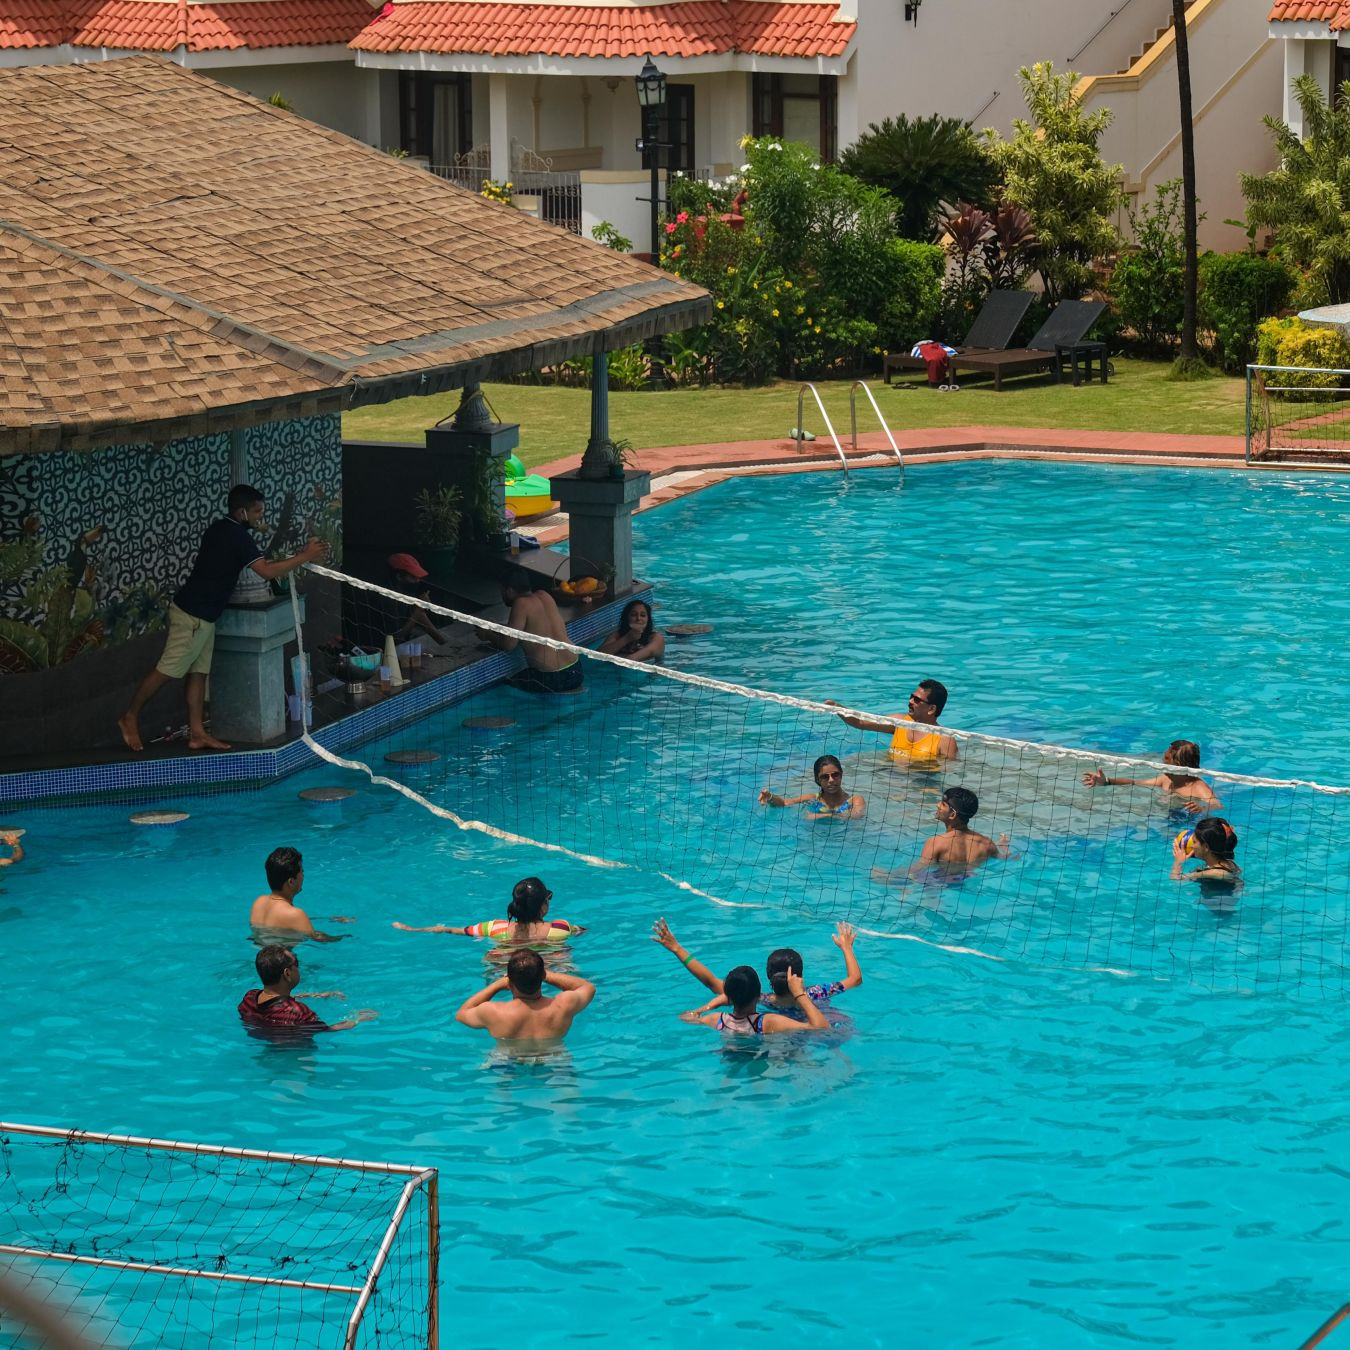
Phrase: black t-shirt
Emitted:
{"points": [[227, 548]]}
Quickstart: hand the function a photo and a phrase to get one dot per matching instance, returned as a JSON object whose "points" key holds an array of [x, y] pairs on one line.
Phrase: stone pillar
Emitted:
{"points": [[499, 128], [597, 459], [248, 671], [600, 514]]}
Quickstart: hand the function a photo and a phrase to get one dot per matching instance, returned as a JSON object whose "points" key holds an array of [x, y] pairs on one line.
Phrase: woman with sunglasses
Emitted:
{"points": [[832, 802]]}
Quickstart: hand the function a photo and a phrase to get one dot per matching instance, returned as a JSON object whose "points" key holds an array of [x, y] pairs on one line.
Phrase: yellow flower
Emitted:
{"points": [[788, 284], [809, 320], [755, 284], [731, 271], [801, 309], [817, 328], [775, 314], [721, 305], [876, 350]]}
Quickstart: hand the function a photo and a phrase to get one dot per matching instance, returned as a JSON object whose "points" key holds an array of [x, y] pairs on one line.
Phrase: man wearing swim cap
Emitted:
{"points": [[528, 1016]]}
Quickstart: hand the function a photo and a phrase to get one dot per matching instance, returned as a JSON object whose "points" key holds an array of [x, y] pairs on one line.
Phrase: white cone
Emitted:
{"points": [[391, 660]]}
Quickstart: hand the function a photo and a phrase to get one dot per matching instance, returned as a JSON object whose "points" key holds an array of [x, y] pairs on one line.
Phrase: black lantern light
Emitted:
{"points": [[651, 85], [912, 11]]}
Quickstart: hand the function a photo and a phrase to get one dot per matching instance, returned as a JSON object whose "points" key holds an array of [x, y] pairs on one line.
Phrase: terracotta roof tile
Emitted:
{"points": [[1335, 13], [154, 25], [175, 252], [696, 28]]}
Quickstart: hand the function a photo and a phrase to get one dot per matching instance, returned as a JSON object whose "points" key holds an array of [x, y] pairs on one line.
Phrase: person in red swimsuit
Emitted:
{"points": [[274, 1011]]}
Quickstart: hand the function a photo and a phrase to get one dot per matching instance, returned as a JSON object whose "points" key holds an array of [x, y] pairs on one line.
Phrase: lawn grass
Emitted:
{"points": [[555, 422]]}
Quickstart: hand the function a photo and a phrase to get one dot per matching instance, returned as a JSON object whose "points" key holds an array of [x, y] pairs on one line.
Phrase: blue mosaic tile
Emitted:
{"points": [[247, 770]]}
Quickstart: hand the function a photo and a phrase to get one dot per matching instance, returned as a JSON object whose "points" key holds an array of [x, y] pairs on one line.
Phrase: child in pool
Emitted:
{"points": [[781, 963], [742, 991], [527, 920], [831, 802], [1214, 842], [1197, 795]]}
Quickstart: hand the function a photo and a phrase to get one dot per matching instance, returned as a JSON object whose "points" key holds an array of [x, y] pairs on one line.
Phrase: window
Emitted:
{"points": [[797, 108], [1341, 73], [678, 132], [436, 115]]}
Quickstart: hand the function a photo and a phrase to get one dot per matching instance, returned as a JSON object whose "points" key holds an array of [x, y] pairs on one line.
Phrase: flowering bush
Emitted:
{"points": [[496, 192], [812, 279]]}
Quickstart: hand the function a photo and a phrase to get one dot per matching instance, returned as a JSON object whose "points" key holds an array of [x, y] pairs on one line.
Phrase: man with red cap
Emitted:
{"points": [[382, 616]]}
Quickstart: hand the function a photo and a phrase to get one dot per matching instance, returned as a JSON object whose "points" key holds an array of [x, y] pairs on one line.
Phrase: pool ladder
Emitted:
{"points": [[853, 422]]}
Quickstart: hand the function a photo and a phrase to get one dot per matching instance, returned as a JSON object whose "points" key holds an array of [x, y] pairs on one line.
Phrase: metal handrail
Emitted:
{"points": [[1327, 1327], [829, 426], [1110, 18], [984, 107], [853, 420]]}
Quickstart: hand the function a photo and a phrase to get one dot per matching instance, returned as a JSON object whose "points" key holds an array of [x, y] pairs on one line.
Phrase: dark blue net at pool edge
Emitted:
{"points": [[645, 769]]}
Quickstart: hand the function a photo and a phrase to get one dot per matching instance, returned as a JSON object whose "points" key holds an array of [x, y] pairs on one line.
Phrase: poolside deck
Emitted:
{"points": [[678, 470]]}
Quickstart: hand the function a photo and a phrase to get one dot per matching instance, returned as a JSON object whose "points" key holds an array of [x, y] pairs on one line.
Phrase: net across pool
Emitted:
{"points": [[1019, 1152]]}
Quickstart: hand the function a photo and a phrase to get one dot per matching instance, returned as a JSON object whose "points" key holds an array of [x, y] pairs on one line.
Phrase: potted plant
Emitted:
{"points": [[438, 514], [620, 453]]}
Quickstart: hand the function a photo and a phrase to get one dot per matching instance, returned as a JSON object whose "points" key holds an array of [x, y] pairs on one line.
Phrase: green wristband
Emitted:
{"points": [[686, 958]]}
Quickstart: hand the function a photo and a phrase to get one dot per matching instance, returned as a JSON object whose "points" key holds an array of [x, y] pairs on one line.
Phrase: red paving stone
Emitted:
{"points": [[715, 463]]}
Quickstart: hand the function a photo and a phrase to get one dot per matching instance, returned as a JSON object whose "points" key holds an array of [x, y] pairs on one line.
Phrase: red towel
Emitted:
{"points": [[934, 356]]}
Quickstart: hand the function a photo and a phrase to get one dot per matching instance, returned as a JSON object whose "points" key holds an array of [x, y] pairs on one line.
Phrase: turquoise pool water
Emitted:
{"points": [[1015, 1153]]}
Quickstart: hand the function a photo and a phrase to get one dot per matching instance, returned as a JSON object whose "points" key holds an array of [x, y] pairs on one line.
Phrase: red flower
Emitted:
{"points": [[670, 229]]}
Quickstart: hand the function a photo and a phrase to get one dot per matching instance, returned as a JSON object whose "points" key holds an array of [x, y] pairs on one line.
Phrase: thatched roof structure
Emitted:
{"points": [[177, 257]]}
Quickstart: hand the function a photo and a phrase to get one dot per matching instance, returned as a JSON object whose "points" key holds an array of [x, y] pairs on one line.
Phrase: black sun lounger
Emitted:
{"points": [[992, 330], [1067, 325]]}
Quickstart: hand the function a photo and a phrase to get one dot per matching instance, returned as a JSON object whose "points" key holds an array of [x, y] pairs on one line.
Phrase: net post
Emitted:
{"points": [[1247, 450], [433, 1187]]}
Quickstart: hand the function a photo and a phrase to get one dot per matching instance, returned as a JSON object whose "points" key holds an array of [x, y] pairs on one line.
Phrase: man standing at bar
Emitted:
{"points": [[227, 548]]}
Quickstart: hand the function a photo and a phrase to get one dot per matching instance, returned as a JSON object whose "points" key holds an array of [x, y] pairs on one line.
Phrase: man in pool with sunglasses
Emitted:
{"points": [[909, 743]]}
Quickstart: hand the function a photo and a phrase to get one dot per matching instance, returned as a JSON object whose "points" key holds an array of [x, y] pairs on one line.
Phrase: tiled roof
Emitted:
{"points": [[176, 256], [698, 28], [1336, 13], [158, 25]]}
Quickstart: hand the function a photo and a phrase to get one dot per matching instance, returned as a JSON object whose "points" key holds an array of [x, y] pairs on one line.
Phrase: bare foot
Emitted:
{"points": [[131, 733], [206, 742]]}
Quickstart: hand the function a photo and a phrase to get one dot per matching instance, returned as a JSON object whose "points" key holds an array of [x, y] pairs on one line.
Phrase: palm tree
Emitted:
{"points": [[1189, 351]]}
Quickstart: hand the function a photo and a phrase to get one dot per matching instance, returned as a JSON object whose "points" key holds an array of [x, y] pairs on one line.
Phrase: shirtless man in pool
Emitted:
{"points": [[527, 1015], [547, 670]]}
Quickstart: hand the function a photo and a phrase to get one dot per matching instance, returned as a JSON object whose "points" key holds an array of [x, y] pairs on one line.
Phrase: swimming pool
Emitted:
{"points": [[1018, 1153]]}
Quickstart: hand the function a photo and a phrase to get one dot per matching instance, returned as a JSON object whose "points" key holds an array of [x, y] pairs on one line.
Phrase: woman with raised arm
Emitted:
{"points": [[635, 637]]}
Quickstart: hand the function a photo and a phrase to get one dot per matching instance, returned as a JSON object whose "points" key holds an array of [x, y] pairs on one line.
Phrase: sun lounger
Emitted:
{"points": [[992, 330], [1067, 326]]}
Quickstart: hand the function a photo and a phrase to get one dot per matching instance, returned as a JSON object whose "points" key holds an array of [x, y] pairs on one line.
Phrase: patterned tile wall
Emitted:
{"points": [[127, 521]]}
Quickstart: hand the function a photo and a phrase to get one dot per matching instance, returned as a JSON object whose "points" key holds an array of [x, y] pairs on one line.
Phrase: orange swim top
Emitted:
{"points": [[924, 748]]}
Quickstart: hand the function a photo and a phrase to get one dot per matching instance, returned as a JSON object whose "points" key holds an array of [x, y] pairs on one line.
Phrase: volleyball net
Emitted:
{"points": [[665, 772], [141, 1244]]}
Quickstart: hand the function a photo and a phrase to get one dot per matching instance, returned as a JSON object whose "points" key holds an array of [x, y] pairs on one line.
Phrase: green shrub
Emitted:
{"points": [[1291, 342], [1237, 291], [628, 368], [1149, 281]]}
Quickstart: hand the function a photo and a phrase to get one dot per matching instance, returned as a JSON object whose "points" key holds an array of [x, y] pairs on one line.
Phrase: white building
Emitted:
{"points": [[543, 93]]}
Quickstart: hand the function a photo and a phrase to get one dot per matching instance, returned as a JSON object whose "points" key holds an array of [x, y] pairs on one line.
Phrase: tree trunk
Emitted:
{"points": [[1188, 341]]}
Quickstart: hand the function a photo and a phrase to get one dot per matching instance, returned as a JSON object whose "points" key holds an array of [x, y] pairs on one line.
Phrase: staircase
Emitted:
{"points": [[1147, 47]]}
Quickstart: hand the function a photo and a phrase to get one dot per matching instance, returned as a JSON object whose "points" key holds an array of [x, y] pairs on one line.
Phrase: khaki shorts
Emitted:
{"points": [[189, 646]]}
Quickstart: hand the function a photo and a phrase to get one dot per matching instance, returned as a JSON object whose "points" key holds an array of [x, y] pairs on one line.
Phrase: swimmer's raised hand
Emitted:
{"points": [[843, 935], [661, 933], [1097, 778], [767, 798], [795, 986]]}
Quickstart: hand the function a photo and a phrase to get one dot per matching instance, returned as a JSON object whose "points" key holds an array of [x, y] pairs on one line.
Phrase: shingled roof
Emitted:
{"points": [[177, 257], [1334, 13]]}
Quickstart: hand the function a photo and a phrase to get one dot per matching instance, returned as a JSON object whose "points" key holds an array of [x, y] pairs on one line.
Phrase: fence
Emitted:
{"points": [[154, 1243], [1298, 413], [559, 193]]}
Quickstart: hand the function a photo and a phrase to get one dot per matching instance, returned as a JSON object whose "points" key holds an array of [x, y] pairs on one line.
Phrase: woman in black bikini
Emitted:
{"points": [[634, 637]]}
